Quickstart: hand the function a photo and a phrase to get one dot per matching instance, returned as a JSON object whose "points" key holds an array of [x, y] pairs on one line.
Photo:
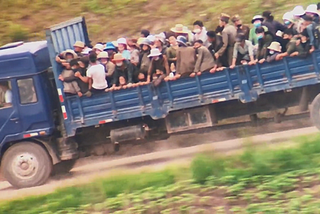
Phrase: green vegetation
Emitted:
{"points": [[107, 20], [272, 181]]}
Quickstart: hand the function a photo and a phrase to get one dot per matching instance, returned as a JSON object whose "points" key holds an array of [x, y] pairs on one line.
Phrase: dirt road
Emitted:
{"points": [[87, 170]]}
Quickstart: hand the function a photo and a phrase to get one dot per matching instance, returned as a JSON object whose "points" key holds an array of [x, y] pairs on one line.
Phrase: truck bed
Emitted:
{"points": [[244, 83]]}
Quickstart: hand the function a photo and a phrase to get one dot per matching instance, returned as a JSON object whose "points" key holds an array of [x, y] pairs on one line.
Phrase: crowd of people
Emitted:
{"points": [[167, 56]]}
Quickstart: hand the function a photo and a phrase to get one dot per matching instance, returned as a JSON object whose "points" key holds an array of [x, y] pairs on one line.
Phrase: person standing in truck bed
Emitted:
{"points": [[96, 76], [228, 34]]}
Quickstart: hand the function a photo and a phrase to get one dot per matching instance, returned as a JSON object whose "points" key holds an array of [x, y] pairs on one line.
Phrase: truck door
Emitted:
{"points": [[10, 124]]}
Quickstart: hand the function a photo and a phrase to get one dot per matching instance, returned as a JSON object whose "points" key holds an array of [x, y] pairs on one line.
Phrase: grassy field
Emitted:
{"points": [[257, 181], [109, 19]]}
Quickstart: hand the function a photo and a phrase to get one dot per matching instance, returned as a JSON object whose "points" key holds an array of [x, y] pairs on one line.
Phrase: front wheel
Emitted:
{"points": [[26, 164], [315, 111]]}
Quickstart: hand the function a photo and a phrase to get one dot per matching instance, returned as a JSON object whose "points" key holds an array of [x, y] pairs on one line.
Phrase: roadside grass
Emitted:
{"points": [[267, 181], [107, 20]]}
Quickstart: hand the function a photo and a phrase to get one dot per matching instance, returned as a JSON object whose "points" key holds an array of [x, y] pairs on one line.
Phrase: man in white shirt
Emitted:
{"points": [[4, 86], [96, 76]]}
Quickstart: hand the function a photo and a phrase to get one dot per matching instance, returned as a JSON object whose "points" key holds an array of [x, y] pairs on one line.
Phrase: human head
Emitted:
{"points": [[224, 19], [159, 40], [257, 21], [92, 57], [236, 20], [4, 85], [144, 33], [267, 16], [145, 45], [197, 44], [122, 44], [78, 46], [118, 59], [304, 36], [155, 53], [83, 62], [307, 20], [74, 64], [197, 26], [172, 40], [141, 76], [211, 35], [260, 32], [287, 34], [274, 47], [98, 48], [182, 41], [69, 54], [122, 80], [312, 10], [240, 38], [288, 18], [103, 57]]}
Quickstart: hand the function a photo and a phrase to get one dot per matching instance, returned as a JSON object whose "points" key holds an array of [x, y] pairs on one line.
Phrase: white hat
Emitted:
{"points": [[275, 46], [298, 11], [100, 47], [151, 38], [86, 51], [279, 33], [103, 55], [154, 52], [161, 37], [256, 17], [312, 8], [122, 41], [288, 16]]}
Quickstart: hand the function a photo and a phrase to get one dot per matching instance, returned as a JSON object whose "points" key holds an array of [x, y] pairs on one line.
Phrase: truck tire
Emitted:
{"points": [[315, 111], [63, 167], [26, 164]]}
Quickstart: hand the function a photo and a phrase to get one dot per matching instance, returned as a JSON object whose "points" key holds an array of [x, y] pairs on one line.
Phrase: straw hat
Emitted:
{"points": [[140, 40], [69, 51], [312, 8], [122, 41], [99, 47], [179, 28], [79, 44], [154, 52], [275, 46], [298, 11], [118, 57], [103, 55], [257, 17]]}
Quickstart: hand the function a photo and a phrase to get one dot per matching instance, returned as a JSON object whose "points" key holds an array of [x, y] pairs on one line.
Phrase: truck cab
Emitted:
{"points": [[26, 111]]}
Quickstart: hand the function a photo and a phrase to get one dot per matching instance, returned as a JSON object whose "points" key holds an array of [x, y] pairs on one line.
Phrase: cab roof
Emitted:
{"points": [[22, 59]]}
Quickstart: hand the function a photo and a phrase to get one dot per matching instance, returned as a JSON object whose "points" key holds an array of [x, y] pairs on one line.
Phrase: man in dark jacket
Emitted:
{"points": [[264, 41], [122, 75], [272, 25], [241, 29], [215, 45]]}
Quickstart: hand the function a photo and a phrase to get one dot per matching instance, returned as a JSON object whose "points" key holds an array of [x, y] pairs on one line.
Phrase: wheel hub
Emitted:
{"points": [[25, 165]]}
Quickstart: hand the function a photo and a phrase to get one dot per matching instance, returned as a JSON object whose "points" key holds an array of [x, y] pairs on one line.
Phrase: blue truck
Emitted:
{"points": [[42, 131]]}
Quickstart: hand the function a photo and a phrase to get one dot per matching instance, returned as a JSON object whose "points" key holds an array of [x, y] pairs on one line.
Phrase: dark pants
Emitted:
{"points": [[97, 91]]}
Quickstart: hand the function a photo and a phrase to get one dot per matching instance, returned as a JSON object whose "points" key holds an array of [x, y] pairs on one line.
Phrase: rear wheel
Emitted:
{"points": [[26, 164], [315, 111]]}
